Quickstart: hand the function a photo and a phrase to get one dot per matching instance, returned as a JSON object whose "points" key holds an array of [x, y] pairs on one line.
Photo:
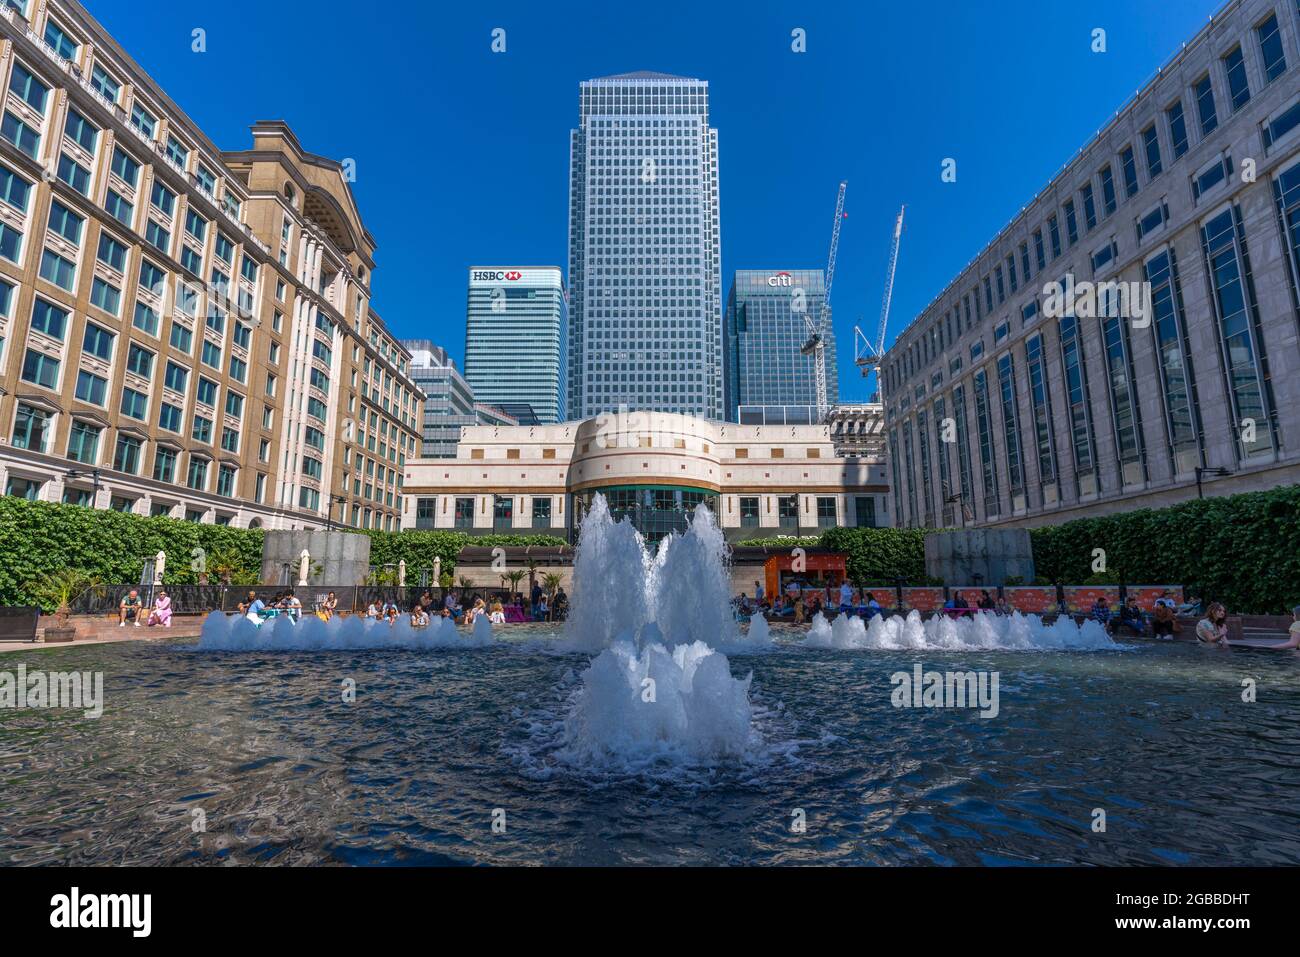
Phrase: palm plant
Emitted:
{"points": [[61, 589], [515, 577]]}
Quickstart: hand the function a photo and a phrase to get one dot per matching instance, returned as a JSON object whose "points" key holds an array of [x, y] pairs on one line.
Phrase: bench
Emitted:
{"points": [[18, 623]]}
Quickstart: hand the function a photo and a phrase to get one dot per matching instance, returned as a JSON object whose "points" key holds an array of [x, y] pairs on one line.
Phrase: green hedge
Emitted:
{"points": [[39, 538], [1242, 550], [881, 556]]}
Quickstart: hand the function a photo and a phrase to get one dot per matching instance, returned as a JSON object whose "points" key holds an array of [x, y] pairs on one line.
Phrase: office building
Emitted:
{"points": [[765, 329], [1129, 340], [515, 331], [184, 331], [448, 398], [653, 468], [645, 301]]}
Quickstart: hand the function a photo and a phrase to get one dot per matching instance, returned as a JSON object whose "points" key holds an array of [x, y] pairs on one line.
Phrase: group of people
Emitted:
{"points": [[282, 603], [133, 609], [958, 606], [804, 602]]}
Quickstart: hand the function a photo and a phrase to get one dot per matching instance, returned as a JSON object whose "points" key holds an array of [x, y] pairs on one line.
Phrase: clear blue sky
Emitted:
{"points": [[462, 154]]}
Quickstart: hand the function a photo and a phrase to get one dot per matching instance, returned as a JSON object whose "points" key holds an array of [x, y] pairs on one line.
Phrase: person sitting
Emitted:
{"points": [[292, 606], [1163, 617], [372, 610], [1130, 617], [162, 611], [419, 617], [1192, 607], [498, 614], [846, 596], [1101, 612], [477, 609], [542, 610], [1293, 634], [330, 606], [390, 611], [1213, 628], [986, 601], [1001, 607], [873, 606], [253, 608], [129, 609]]}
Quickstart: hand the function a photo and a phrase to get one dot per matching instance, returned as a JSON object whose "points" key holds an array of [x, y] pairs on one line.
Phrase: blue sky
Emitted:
{"points": [[462, 154]]}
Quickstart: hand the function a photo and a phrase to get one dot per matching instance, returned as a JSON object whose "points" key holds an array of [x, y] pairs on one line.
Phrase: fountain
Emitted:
{"points": [[659, 688], [222, 632], [980, 632]]}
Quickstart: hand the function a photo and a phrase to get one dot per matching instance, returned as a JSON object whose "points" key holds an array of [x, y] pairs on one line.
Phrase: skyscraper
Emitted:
{"points": [[764, 331], [514, 337], [644, 266]]}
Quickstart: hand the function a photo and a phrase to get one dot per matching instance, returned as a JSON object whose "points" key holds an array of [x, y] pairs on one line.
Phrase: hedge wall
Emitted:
{"points": [[38, 538], [1242, 550]]}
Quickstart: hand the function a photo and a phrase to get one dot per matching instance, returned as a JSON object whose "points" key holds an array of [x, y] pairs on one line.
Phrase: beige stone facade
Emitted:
{"points": [[183, 331]]}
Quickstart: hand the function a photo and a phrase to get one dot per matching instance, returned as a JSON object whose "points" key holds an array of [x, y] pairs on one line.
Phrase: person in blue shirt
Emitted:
{"points": [[1101, 612]]}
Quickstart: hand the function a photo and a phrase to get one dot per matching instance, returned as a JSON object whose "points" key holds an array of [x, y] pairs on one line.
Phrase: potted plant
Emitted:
{"points": [[515, 577], [59, 591]]}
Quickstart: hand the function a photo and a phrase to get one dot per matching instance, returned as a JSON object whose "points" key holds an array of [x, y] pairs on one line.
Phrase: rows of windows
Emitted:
{"points": [[1065, 228]]}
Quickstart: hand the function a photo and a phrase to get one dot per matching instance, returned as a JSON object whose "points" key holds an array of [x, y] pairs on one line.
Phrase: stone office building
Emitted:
{"points": [[1008, 404]]}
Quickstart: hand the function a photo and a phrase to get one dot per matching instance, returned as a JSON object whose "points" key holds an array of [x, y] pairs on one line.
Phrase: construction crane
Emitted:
{"points": [[816, 344], [867, 354]]}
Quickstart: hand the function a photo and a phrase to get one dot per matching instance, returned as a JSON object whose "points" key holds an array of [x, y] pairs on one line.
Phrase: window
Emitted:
{"points": [[78, 129], [1108, 201], [1177, 128], [464, 516], [97, 342], [83, 442], [21, 135], [177, 152], [127, 456], [1076, 391], [207, 179], [64, 222], [1125, 415], [749, 516], [48, 319], [1270, 49], [169, 417], [211, 354], [112, 253], [175, 377], [40, 369], [28, 89], [14, 190], [202, 430], [1089, 206], [143, 120], [135, 405], [125, 168], [60, 42], [226, 480], [181, 339], [1234, 64], [1054, 234], [234, 404], [1225, 250], [1040, 405], [1071, 226], [1209, 178], [91, 388], [164, 465], [224, 249], [1179, 386], [74, 174], [163, 198], [787, 510], [196, 225], [31, 428], [23, 488], [1129, 166], [826, 512], [1151, 146], [157, 236], [197, 478], [105, 84], [119, 208], [139, 361], [1205, 111]]}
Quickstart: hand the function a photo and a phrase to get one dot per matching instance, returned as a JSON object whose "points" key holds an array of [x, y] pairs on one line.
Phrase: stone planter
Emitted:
{"points": [[59, 632]]}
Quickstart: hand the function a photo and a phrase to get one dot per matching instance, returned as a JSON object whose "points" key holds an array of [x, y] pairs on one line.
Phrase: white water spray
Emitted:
{"points": [[222, 632], [983, 631]]}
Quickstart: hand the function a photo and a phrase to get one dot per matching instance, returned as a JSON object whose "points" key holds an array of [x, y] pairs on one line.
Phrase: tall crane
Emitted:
{"points": [[816, 344], [867, 354]]}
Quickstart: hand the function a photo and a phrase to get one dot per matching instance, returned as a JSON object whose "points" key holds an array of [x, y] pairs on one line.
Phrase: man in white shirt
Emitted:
{"points": [[846, 595]]}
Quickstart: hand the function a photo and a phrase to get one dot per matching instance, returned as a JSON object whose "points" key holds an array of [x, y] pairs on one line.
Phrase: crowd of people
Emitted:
{"points": [[463, 610]]}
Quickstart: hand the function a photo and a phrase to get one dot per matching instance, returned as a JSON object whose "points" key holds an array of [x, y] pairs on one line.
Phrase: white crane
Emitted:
{"points": [[816, 344], [867, 354]]}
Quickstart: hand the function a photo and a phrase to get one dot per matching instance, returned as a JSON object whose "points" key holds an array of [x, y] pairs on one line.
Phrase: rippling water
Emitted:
{"points": [[284, 771]]}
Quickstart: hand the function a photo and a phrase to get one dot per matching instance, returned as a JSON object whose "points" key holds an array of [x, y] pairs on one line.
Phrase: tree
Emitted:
{"points": [[515, 577], [60, 590]]}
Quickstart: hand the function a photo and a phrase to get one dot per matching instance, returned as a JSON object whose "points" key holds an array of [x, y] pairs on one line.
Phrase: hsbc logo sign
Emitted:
{"points": [[496, 275], [780, 279]]}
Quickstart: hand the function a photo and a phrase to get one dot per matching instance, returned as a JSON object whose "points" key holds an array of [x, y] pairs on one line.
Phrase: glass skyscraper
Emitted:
{"points": [[644, 269], [515, 338], [765, 329]]}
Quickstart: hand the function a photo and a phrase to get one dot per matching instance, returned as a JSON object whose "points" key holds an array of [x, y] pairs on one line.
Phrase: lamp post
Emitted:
{"points": [[1202, 471], [94, 479]]}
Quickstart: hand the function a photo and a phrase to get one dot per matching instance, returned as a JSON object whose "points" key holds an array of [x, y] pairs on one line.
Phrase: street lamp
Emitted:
{"points": [[94, 479], [1202, 471]]}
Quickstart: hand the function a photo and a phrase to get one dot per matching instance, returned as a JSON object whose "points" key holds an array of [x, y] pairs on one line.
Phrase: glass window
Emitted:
{"points": [[1270, 49], [1234, 64]]}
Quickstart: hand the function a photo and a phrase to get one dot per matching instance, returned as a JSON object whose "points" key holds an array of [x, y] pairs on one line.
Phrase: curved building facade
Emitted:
{"points": [[652, 467]]}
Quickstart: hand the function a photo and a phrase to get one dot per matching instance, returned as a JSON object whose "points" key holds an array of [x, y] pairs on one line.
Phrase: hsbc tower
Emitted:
{"points": [[515, 337]]}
